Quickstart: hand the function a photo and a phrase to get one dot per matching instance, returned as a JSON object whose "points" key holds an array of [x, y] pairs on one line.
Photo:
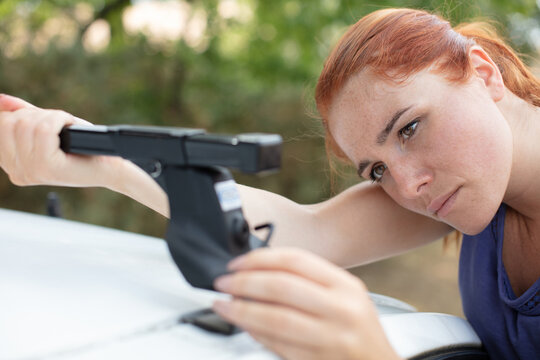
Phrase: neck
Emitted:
{"points": [[523, 192]]}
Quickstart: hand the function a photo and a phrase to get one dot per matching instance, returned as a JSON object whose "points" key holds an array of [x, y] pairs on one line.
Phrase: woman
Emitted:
{"points": [[443, 121]]}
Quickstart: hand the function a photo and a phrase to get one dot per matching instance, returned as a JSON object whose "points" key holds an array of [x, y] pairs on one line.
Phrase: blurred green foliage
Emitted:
{"points": [[253, 68]]}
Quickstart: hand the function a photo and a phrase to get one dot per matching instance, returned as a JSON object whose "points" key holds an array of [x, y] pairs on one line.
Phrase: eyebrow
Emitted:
{"points": [[383, 135]]}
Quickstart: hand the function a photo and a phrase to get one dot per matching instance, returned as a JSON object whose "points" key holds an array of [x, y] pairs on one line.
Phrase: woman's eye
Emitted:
{"points": [[377, 172], [408, 130]]}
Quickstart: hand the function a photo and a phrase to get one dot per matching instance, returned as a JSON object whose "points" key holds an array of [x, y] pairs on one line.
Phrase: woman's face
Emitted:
{"points": [[437, 148]]}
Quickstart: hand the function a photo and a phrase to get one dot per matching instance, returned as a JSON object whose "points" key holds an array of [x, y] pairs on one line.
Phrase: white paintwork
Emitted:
{"points": [[77, 291]]}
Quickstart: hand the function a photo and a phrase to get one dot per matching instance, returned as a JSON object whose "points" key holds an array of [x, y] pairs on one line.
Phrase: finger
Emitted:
{"points": [[79, 121], [23, 134], [12, 103], [280, 287], [276, 321], [47, 145], [46, 133], [37, 148], [297, 261], [7, 140], [27, 120]]}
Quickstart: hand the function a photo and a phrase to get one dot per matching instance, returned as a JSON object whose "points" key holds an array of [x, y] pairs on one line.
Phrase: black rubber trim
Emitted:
{"points": [[462, 353]]}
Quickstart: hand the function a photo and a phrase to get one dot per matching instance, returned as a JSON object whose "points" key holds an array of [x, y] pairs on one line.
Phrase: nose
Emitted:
{"points": [[411, 180]]}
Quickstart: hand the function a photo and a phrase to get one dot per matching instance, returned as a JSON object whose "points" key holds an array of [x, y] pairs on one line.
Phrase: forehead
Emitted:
{"points": [[364, 94], [367, 102]]}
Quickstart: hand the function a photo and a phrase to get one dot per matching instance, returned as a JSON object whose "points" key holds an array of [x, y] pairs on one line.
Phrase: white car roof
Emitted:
{"points": [[70, 290]]}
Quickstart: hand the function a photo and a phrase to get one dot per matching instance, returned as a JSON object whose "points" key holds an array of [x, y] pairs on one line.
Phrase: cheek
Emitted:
{"points": [[482, 150], [489, 176], [471, 140], [475, 153], [480, 158]]}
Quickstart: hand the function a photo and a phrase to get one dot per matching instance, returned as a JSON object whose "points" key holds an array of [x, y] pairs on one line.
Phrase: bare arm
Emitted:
{"points": [[130, 180], [360, 225]]}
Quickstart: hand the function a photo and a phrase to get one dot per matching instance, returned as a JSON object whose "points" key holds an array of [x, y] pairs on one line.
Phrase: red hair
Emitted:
{"points": [[396, 43]]}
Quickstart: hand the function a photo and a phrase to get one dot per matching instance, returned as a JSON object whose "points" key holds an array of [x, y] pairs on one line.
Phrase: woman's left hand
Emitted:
{"points": [[30, 154], [302, 307]]}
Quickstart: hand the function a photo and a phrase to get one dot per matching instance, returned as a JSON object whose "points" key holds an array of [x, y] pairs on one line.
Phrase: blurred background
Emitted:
{"points": [[228, 66]]}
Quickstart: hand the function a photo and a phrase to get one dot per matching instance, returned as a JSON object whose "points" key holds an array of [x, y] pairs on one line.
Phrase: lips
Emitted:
{"points": [[443, 202]]}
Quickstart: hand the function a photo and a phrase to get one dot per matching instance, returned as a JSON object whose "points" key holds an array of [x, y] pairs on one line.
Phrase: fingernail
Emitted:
{"points": [[223, 283], [236, 262], [221, 307]]}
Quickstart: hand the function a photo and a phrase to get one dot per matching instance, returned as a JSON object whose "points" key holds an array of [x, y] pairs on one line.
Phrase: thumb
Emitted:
{"points": [[12, 103]]}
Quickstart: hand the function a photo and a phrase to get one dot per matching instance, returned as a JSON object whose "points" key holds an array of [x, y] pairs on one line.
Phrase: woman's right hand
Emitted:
{"points": [[30, 154], [301, 306]]}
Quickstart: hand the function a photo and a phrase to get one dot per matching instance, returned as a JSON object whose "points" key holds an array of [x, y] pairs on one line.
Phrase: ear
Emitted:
{"points": [[486, 69]]}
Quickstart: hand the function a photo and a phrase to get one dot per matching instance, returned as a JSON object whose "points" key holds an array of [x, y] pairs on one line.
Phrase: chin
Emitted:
{"points": [[473, 229], [474, 224]]}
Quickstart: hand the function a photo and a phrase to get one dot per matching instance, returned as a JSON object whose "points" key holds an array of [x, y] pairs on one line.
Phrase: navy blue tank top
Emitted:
{"points": [[509, 326]]}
